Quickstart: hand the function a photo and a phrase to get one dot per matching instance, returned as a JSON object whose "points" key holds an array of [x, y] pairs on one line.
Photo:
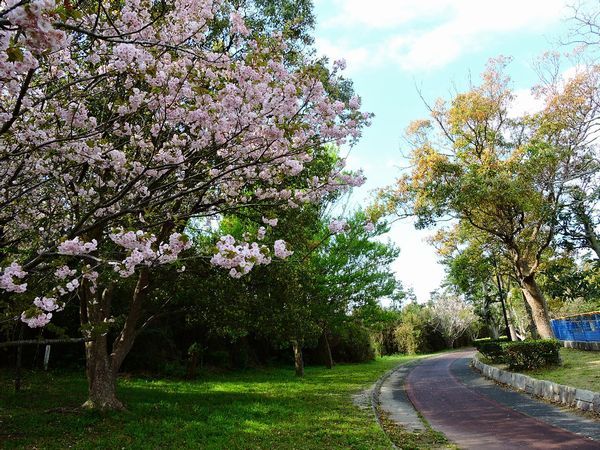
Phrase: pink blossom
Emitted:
{"points": [[77, 247], [337, 226], [280, 249], [142, 249], [38, 321], [64, 272], [260, 234], [270, 222], [241, 257], [8, 276], [47, 304], [190, 131], [354, 102], [238, 24]]}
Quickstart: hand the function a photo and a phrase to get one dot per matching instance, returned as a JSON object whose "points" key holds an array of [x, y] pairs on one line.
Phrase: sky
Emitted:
{"points": [[393, 48]]}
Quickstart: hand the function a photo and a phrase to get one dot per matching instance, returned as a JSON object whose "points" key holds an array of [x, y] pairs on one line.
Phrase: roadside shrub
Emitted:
{"points": [[408, 338], [384, 342], [492, 351], [352, 343], [477, 343], [531, 354]]}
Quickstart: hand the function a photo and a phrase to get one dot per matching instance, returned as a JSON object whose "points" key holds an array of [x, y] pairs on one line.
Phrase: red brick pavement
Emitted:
{"points": [[473, 421]]}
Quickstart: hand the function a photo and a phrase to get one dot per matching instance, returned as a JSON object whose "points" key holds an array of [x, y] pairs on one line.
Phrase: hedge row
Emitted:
{"points": [[528, 354], [492, 348]]}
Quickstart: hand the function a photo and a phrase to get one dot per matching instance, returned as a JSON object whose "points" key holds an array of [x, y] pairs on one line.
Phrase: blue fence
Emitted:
{"points": [[583, 328]]}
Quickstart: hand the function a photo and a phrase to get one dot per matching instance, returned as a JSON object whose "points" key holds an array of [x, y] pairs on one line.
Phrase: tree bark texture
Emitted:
{"points": [[19, 359], [539, 310], [326, 350], [298, 359], [103, 363], [102, 377], [513, 333], [591, 237]]}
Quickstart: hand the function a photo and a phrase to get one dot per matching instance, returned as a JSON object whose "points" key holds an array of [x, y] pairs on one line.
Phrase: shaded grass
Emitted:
{"points": [[262, 409], [405, 439], [580, 369]]}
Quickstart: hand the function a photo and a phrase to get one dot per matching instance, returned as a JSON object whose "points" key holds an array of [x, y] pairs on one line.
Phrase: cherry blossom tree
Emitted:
{"points": [[122, 121], [452, 316]]}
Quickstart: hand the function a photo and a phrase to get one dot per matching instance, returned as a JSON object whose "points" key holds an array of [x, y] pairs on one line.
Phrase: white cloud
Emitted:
{"points": [[427, 34], [359, 15], [377, 14], [357, 58], [525, 102]]}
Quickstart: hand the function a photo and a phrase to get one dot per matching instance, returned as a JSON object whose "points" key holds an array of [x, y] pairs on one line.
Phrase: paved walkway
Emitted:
{"points": [[477, 414]]}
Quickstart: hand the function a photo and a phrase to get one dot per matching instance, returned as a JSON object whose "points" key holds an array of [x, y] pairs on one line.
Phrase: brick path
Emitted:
{"points": [[484, 416]]}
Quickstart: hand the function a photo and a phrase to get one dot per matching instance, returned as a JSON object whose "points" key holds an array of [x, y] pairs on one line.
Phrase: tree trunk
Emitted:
{"points": [[192, 365], [488, 317], [513, 334], [298, 360], [590, 233], [126, 337], [502, 295], [493, 330], [507, 331], [19, 359], [530, 331], [102, 364], [591, 237], [519, 331], [539, 310], [326, 351], [102, 378]]}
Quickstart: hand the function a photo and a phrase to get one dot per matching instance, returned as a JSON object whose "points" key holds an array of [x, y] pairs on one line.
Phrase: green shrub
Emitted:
{"points": [[477, 343], [531, 354], [408, 338], [492, 351], [219, 358], [352, 343], [174, 369]]}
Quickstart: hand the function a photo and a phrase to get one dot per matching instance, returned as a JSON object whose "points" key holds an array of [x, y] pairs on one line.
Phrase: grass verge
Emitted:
{"points": [[253, 409], [404, 439], [580, 369]]}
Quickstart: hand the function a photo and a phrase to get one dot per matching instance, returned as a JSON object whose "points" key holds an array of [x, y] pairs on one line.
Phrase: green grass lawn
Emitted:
{"points": [[580, 369], [262, 409]]}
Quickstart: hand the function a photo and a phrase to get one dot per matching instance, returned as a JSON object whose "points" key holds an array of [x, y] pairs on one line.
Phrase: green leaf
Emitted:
{"points": [[14, 54]]}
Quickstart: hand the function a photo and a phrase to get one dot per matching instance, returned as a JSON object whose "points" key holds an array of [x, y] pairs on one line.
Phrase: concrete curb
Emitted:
{"points": [[581, 345], [548, 390], [375, 393]]}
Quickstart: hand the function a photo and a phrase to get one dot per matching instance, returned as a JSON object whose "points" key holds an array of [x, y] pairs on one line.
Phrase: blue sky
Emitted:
{"points": [[392, 46]]}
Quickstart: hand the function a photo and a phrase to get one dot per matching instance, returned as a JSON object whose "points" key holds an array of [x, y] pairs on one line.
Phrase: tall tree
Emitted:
{"points": [[451, 315], [352, 269], [579, 220], [118, 125], [503, 176], [476, 269]]}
